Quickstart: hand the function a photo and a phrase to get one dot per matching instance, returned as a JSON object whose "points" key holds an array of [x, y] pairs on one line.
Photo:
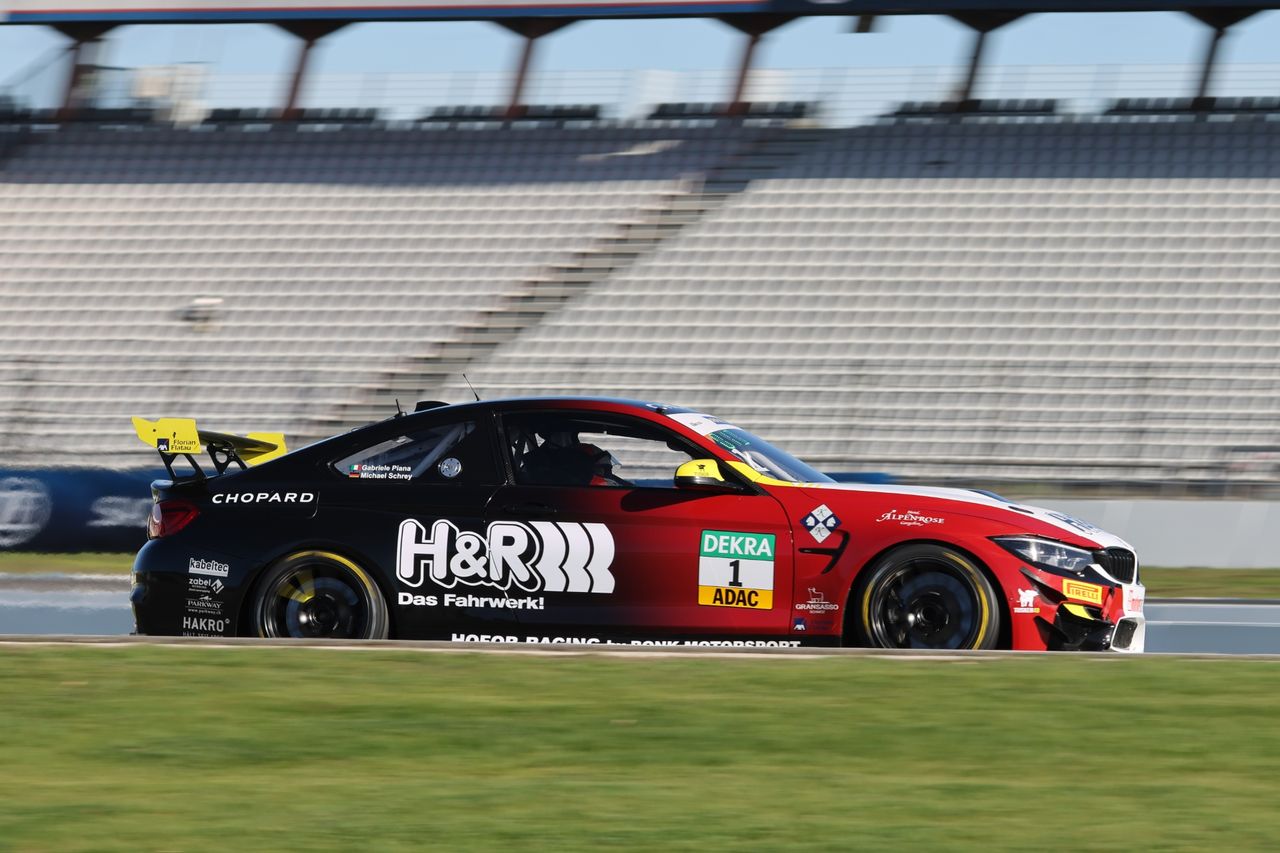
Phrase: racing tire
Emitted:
{"points": [[319, 595], [924, 597]]}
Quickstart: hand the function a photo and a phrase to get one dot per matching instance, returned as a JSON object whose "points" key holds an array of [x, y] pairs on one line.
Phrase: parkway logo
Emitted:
{"points": [[541, 556]]}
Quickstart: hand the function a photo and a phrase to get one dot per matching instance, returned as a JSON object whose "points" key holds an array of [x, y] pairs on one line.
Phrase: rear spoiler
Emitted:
{"points": [[174, 437]]}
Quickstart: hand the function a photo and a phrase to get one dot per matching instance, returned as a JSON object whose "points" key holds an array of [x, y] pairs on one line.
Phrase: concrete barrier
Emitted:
{"points": [[1216, 534]]}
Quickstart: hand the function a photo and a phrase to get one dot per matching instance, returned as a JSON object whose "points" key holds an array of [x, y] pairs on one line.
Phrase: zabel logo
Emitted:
{"points": [[542, 556]]}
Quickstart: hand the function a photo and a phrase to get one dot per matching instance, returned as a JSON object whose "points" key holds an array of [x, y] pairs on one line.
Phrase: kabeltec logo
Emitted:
{"points": [[208, 567]]}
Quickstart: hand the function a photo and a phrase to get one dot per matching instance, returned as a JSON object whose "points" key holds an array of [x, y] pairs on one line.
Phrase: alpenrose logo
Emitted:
{"points": [[910, 518], [541, 556]]}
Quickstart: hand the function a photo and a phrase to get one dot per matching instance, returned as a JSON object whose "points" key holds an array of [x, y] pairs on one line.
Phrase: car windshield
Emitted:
{"points": [[751, 449], [765, 458]]}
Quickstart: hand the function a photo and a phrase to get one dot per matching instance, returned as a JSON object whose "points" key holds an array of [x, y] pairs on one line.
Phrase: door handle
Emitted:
{"points": [[529, 508]]}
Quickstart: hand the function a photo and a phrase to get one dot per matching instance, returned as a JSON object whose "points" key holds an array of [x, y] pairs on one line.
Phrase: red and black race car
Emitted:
{"points": [[597, 521]]}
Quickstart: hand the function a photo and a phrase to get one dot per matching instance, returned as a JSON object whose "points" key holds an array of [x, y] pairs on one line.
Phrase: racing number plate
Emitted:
{"points": [[736, 569]]}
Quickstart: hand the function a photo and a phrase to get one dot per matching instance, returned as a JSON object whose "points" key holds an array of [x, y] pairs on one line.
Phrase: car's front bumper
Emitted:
{"points": [[1095, 614]]}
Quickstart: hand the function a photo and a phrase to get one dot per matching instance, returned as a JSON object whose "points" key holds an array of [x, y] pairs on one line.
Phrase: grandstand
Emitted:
{"points": [[274, 278], [1034, 288], [1066, 299]]}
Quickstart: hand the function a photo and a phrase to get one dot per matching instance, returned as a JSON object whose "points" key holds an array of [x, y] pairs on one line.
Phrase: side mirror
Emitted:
{"points": [[702, 474]]}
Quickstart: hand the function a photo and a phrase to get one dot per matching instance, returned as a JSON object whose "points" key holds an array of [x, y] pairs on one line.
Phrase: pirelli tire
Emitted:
{"points": [[318, 595], [924, 596]]}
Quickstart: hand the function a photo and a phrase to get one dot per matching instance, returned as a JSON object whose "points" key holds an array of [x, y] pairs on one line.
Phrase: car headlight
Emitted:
{"points": [[1047, 554]]}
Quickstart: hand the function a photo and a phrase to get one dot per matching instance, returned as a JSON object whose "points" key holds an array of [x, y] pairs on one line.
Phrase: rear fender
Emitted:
{"points": [[343, 551]]}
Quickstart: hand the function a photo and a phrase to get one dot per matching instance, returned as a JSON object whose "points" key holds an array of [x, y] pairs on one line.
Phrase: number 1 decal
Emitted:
{"points": [[735, 569]]}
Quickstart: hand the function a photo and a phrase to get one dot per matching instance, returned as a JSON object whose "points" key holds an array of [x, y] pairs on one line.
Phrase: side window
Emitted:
{"points": [[446, 453], [570, 449]]}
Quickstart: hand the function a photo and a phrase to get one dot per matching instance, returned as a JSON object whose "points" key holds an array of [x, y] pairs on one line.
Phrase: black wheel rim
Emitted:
{"points": [[316, 600], [925, 604]]}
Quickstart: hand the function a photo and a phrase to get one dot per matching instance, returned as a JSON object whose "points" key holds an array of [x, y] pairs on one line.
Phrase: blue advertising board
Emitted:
{"points": [[65, 510]]}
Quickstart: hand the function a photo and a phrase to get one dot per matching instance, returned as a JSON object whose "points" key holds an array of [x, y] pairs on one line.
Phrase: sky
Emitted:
{"points": [[1081, 39], [680, 45]]}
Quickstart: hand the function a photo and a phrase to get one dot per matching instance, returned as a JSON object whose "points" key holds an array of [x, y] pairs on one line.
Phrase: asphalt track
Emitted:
{"points": [[48, 606]]}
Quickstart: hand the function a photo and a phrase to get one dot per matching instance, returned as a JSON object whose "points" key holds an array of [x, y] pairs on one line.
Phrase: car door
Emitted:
{"points": [[615, 550], [413, 497]]}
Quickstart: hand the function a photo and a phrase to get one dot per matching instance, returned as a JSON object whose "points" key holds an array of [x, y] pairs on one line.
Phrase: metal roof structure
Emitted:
{"points": [[351, 11], [87, 21]]}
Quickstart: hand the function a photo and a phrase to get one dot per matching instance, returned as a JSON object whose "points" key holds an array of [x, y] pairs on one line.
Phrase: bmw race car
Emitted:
{"points": [[601, 520]]}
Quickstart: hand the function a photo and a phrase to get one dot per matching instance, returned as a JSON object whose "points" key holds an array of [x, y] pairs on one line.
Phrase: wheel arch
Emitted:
{"points": [[342, 553], [1004, 640]]}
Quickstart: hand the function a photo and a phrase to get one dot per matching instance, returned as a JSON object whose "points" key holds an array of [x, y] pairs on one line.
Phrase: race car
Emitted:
{"points": [[593, 520]]}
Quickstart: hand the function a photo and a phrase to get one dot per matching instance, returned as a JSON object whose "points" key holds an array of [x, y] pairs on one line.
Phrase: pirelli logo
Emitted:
{"points": [[736, 570], [1091, 593]]}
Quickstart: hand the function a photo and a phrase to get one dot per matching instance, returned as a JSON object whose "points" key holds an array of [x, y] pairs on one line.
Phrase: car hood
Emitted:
{"points": [[983, 505]]}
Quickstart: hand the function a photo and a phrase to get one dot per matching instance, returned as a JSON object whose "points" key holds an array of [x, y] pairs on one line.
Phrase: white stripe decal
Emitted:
{"points": [[579, 553], [601, 557], [1058, 520], [554, 549]]}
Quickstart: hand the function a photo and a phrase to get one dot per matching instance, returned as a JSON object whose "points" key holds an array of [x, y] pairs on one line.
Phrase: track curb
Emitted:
{"points": [[595, 650]]}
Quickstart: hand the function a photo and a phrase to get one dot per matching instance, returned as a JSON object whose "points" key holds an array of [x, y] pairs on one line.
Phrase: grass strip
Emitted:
{"points": [[1211, 583], [28, 563], [266, 749]]}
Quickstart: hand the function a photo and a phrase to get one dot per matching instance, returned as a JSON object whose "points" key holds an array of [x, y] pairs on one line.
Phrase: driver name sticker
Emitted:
{"points": [[736, 569], [166, 444], [380, 472]]}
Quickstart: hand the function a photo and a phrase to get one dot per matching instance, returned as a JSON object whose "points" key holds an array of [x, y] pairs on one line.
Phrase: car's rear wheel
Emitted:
{"points": [[315, 594], [925, 597]]}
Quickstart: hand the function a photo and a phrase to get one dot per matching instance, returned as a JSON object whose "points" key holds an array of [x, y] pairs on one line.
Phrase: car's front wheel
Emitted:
{"points": [[315, 594], [924, 597]]}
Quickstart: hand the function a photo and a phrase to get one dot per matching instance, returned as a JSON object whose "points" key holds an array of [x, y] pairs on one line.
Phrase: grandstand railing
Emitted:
{"points": [[848, 96]]}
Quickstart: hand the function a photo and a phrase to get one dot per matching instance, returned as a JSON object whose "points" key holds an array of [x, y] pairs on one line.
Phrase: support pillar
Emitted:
{"points": [[964, 95], [309, 32], [1206, 69], [982, 23], [531, 29], [736, 106], [754, 26], [85, 42], [1220, 21]]}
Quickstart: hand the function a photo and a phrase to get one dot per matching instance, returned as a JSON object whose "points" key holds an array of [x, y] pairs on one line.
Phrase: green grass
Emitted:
{"points": [[1211, 583], [168, 748], [97, 564]]}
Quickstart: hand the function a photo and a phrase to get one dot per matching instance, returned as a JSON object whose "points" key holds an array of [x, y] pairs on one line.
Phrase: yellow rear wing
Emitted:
{"points": [[173, 437]]}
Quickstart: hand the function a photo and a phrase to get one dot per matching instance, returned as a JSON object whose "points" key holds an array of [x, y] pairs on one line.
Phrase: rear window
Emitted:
{"points": [[447, 453]]}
